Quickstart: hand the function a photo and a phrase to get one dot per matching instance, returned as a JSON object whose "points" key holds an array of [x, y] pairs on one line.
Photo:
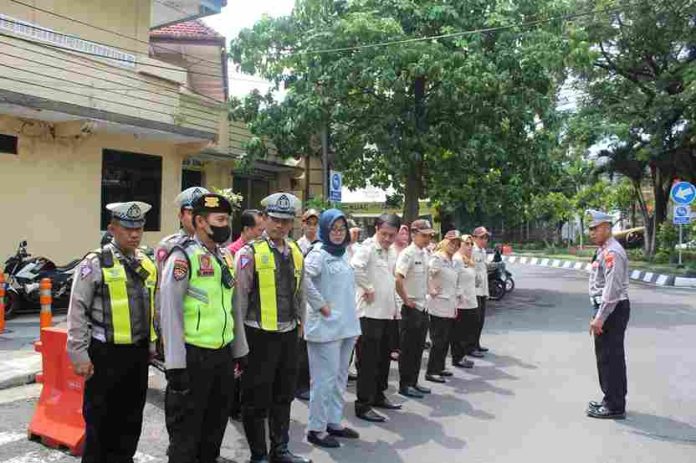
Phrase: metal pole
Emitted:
{"points": [[680, 244], [325, 159]]}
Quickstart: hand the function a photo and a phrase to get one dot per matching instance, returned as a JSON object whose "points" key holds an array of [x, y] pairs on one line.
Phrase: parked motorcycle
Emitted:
{"points": [[500, 281], [23, 273]]}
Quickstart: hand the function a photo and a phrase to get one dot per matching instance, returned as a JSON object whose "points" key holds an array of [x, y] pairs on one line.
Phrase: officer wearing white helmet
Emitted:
{"points": [[270, 275], [184, 201], [110, 333], [611, 310]]}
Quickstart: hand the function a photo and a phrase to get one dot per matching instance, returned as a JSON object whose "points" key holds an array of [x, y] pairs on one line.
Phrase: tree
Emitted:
{"points": [[555, 208], [464, 119], [637, 78]]}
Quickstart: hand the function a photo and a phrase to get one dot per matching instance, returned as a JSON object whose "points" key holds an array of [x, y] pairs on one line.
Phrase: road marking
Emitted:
{"points": [[38, 457], [7, 437]]}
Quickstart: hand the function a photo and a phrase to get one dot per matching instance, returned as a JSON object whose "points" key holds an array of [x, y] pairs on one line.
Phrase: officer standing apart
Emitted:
{"points": [[411, 286], [374, 264], [198, 329], [480, 258], [270, 295], [110, 333], [609, 296]]}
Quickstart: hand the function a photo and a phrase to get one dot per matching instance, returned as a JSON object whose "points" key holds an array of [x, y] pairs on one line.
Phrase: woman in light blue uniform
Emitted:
{"points": [[331, 328]]}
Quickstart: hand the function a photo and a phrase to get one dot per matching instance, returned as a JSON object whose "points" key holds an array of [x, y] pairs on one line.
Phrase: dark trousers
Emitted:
{"points": [[196, 420], [268, 388], [482, 318], [440, 328], [413, 329], [302, 367], [113, 402], [464, 333], [611, 359], [373, 350], [236, 400]]}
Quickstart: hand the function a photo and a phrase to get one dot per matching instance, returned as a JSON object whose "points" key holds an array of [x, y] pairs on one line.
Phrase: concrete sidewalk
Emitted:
{"points": [[19, 363]]}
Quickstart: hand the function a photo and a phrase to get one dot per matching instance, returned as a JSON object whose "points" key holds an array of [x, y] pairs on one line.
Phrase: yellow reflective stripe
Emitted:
{"points": [[151, 284], [115, 280], [298, 261], [265, 268]]}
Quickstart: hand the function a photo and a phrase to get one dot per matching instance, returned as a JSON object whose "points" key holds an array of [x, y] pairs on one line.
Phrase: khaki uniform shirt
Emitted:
{"points": [[87, 306], [466, 285], [374, 271], [174, 285], [412, 264], [609, 278], [481, 260], [443, 275]]}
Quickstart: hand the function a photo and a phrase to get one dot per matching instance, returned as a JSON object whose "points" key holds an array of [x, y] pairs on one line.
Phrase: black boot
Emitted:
{"points": [[255, 430], [279, 425]]}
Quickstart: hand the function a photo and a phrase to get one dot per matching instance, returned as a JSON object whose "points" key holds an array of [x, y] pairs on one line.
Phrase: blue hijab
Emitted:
{"points": [[326, 221]]}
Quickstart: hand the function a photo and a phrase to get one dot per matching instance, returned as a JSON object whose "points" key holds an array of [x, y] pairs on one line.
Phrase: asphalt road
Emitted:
{"points": [[524, 402]]}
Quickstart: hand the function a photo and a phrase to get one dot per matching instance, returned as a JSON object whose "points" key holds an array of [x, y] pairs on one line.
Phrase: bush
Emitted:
{"points": [[667, 238], [635, 254], [661, 257]]}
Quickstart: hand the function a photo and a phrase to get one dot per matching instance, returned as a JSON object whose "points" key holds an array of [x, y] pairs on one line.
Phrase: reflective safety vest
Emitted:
{"points": [[208, 320], [115, 282], [265, 266]]}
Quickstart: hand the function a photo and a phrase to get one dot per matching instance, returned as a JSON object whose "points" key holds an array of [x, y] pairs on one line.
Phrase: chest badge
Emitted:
{"points": [[205, 266]]}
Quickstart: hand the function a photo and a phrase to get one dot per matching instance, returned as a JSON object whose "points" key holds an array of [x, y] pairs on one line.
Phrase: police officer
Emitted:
{"points": [[609, 296], [202, 334], [411, 286], [185, 201], [271, 297], [109, 335]]}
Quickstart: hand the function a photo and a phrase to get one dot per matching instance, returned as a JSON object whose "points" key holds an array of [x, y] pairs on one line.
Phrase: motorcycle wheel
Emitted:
{"points": [[509, 285], [13, 304], [496, 290]]}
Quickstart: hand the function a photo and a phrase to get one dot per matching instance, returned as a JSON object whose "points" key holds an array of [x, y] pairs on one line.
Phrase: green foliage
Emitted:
{"points": [[469, 120], [638, 85], [318, 203], [667, 238]]}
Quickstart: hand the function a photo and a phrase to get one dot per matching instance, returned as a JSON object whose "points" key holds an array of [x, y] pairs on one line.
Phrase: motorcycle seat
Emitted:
{"points": [[71, 265]]}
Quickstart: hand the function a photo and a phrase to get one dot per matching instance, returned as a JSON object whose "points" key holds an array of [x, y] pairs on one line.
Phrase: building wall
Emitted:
{"points": [[130, 19], [51, 190]]}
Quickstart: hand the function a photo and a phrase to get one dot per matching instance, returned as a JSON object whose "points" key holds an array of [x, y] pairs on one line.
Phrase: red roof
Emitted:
{"points": [[191, 30]]}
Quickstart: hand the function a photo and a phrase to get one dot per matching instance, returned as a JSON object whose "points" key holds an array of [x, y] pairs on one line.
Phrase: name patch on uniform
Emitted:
{"points": [[161, 254], [244, 261], [180, 269], [205, 266], [85, 270]]}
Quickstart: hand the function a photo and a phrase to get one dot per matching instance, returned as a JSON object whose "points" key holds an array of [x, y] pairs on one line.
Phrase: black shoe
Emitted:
{"points": [[286, 456], [411, 392], [446, 373], [328, 441], [386, 404], [595, 404], [482, 349], [464, 363], [368, 414], [422, 389], [604, 413], [345, 432], [302, 395], [434, 379], [477, 354], [263, 459]]}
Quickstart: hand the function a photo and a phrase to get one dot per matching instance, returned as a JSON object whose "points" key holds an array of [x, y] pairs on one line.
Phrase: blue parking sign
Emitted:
{"points": [[335, 186]]}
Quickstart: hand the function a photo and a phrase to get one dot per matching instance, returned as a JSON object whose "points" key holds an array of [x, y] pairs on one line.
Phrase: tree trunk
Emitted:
{"points": [[414, 182], [661, 187]]}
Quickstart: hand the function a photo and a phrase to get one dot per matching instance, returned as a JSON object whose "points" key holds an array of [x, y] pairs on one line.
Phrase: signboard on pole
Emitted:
{"points": [[682, 215], [683, 193], [335, 186]]}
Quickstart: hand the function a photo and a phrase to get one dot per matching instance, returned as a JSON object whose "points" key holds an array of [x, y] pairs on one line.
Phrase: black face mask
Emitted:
{"points": [[219, 234]]}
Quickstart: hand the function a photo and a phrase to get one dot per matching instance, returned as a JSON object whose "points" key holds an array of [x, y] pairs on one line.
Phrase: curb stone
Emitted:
{"points": [[638, 275]]}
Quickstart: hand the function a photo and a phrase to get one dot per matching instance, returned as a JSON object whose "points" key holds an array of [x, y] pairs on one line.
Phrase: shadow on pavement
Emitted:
{"points": [[660, 428]]}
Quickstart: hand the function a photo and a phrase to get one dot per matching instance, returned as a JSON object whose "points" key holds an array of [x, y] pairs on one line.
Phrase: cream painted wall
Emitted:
{"points": [[50, 193], [130, 19]]}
